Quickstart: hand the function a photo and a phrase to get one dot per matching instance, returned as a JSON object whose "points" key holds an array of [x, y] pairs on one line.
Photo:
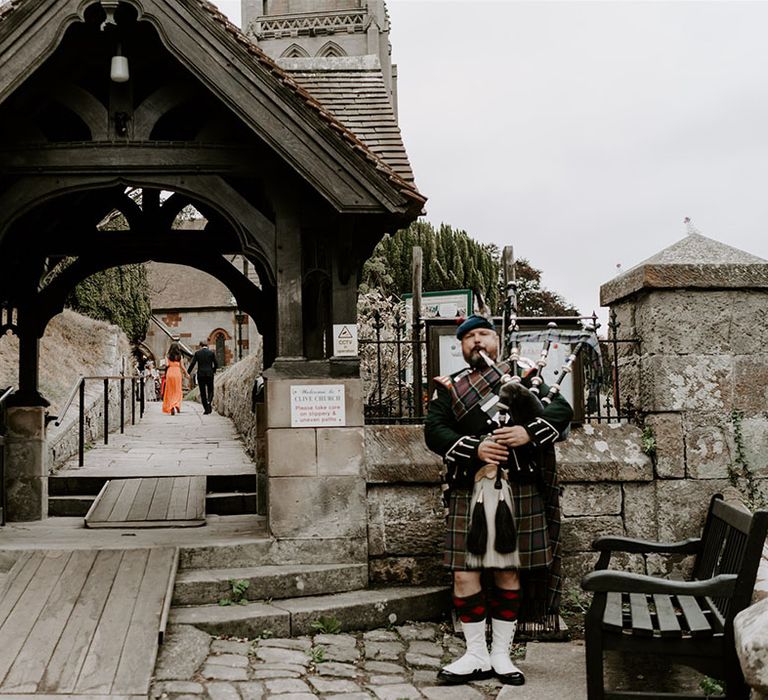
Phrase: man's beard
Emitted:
{"points": [[476, 360]]}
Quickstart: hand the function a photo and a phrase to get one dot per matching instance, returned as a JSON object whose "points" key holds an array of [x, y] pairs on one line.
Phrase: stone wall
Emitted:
{"points": [[608, 487], [234, 396]]}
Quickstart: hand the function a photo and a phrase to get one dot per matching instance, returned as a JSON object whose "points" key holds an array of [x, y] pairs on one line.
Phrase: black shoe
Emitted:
{"points": [[515, 678], [459, 678]]}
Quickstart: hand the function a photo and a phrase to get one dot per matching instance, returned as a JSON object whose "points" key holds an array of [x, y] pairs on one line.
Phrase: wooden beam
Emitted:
{"points": [[134, 157]]}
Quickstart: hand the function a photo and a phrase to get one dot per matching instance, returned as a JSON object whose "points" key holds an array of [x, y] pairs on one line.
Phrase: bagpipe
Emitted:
{"points": [[492, 516]]}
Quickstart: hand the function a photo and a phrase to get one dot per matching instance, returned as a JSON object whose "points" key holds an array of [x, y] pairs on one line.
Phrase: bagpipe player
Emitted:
{"points": [[502, 499]]}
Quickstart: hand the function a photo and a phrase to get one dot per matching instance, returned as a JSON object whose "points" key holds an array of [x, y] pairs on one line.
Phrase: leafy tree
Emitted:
{"points": [[454, 260], [117, 295]]}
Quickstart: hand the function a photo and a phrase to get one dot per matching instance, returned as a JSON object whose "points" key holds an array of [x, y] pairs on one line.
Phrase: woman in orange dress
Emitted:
{"points": [[173, 387]]}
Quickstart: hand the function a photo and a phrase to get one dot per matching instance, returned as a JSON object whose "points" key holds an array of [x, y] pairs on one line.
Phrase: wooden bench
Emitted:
{"points": [[686, 622]]}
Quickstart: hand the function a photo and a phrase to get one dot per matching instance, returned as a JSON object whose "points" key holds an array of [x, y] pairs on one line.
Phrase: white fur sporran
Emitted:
{"points": [[490, 500]]}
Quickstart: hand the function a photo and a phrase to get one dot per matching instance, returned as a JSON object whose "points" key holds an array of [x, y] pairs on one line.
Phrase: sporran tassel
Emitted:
{"points": [[506, 530], [477, 539]]}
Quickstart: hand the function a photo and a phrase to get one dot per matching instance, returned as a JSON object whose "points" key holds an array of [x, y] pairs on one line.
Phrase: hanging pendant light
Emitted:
{"points": [[118, 70]]}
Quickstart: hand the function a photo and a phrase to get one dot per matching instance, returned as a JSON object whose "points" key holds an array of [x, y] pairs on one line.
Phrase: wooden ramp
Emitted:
{"points": [[84, 622], [171, 501]]}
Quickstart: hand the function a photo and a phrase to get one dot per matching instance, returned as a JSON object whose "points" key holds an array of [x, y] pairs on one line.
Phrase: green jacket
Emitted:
{"points": [[461, 414]]}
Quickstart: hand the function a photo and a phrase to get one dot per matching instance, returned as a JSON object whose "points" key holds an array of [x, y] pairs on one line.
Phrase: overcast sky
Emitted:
{"points": [[583, 133]]}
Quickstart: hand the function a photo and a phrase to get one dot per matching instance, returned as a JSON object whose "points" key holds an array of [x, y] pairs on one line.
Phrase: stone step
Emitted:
{"points": [[204, 586], [71, 506], [293, 617], [64, 484]]}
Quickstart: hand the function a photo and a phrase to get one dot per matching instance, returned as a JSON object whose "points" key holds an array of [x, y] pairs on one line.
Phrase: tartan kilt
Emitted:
{"points": [[530, 518]]}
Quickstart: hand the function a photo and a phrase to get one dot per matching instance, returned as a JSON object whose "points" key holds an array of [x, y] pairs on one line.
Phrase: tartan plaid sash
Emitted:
{"points": [[475, 386]]}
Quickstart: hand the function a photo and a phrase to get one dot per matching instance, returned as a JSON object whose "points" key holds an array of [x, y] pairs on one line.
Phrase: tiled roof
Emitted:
{"points": [[407, 188], [180, 287], [357, 96]]}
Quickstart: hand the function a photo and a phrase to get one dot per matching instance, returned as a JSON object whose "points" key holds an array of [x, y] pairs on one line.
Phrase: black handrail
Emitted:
{"points": [[79, 390], [3, 498]]}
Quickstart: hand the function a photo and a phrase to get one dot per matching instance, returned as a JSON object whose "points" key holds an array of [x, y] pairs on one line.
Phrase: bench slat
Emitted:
{"points": [[669, 625], [641, 615], [612, 617], [695, 618]]}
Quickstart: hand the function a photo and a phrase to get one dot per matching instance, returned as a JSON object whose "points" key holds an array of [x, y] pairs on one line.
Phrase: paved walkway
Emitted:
{"points": [[391, 664], [189, 443]]}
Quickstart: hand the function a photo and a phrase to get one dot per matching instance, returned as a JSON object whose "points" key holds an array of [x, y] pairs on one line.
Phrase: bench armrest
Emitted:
{"points": [[627, 544], [722, 585]]}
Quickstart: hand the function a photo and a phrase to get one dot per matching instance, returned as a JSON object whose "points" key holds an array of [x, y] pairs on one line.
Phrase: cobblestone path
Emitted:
{"points": [[387, 664]]}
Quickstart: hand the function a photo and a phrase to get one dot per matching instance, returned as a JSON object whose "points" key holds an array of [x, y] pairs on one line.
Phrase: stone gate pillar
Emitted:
{"points": [[315, 460], [26, 463], [700, 379]]}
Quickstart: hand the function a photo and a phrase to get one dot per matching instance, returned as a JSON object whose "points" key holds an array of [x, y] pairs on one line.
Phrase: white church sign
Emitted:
{"points": [[317, 405]]}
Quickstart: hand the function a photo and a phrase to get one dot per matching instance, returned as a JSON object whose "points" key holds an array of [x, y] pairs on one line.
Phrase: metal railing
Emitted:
{"points": [[3, 496], [387, 369], [388, 385], [137, 397]]}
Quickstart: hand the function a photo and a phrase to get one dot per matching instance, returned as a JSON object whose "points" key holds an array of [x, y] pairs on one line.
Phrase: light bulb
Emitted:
{"points": [[118, 71]]}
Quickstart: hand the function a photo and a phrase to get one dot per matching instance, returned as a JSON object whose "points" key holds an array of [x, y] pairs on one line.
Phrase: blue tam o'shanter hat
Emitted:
{"points": [[472, 322]]}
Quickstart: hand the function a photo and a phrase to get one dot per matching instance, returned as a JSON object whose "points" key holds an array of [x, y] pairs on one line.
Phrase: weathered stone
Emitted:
{"points": [[348, 696], [405, 519], [424, 677], [682, 505], [443, 692], [340, 451], [229, 646], [674, 566], [667, 429], [578, 533], [380, 635], [400, 691], [266, 673], [324, 685], [426, 632], [337, 670], [284, 656], [422, 661], [425, 647], [750, 382], [292, 452], [707, 442], [414, 571], [222, 691], [695, 382], [754, 432], [591, 499], [604, 452], [251, 690], [382, 667], [317, 507], [184, 650], [346, 640], [224, 673], [176, 687], [231, 660], [641, 519], [344, 654], [678, 322], [750, 629], [286, 685], [383, 651], [386, 679], [397, 453], [295, 644]]}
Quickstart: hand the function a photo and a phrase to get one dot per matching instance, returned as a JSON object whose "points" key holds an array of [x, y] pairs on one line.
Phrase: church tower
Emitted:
{"points": [[324, 35]]}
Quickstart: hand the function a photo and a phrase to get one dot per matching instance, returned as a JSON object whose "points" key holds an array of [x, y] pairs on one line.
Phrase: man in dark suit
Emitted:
{"points": [[205, 360]]}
